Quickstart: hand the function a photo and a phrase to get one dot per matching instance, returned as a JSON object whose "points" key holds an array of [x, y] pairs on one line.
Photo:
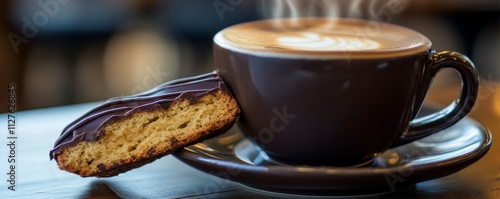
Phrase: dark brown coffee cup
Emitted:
{"points": [[306, 101]]}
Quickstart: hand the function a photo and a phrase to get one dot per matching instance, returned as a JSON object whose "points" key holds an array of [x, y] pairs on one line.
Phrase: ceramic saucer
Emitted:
{"points": [[233, 157]]}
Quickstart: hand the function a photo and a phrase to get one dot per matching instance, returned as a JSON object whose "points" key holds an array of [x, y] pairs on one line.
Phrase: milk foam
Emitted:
{"points": [[321, 37], [317, 42]]}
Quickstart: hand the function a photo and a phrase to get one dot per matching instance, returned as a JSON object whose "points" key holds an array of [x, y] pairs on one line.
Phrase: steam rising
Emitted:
{"points": [[376, 10], [379, 10], [311, 8]]}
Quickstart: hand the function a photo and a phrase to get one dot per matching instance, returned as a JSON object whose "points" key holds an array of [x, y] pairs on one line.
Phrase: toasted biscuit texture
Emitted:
{"points": [[147, 135]]}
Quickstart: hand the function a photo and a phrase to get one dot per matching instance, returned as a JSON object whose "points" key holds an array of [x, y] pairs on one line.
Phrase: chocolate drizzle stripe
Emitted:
{"points": [[89, 126]]}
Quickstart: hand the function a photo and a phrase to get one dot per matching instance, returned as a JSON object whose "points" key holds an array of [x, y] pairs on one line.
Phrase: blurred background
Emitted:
{"points": [[61, 52]]}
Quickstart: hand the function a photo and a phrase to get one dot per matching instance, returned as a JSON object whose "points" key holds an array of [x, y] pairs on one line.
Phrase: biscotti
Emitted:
{"points": [[124, 133]]}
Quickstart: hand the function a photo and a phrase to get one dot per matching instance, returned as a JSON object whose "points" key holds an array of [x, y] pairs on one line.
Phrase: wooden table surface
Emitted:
{"points": [[38, 177]]}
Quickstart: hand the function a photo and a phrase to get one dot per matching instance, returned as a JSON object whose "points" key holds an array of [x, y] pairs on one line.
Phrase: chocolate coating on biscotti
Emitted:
{"points": [[88, 127]]}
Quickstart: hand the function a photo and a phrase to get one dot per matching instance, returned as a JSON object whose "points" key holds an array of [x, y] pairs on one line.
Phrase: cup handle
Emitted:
{"points": [[427, 125]]}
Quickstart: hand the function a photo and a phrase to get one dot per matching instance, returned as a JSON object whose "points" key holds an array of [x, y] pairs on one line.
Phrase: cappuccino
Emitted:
{"points": [[322, 37], [339, 92]]}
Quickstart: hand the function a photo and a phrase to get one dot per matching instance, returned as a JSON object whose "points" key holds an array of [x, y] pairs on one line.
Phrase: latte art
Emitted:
{"points": [[321, 37], [314, 41]]}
